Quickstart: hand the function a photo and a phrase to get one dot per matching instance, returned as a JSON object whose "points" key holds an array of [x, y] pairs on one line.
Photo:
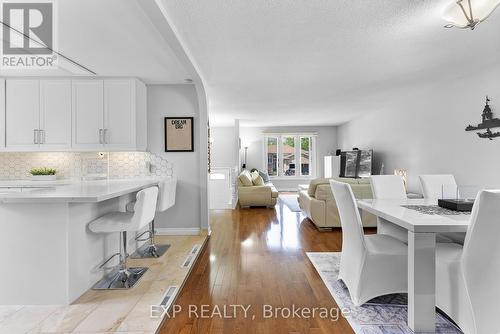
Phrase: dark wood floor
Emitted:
{"points": [[255, 257]]}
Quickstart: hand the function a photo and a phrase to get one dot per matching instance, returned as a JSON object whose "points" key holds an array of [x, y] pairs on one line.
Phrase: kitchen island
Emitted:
{"points": [[48, 255]]}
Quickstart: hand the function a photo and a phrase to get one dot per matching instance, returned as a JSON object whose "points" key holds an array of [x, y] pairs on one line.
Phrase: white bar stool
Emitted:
{"points": [[166, 199], [123, 277]]}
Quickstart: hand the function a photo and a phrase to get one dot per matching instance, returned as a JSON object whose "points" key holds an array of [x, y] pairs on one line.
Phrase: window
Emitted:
{"points": [[288, 145], [290, 155], [305, 156], [272, 156]]}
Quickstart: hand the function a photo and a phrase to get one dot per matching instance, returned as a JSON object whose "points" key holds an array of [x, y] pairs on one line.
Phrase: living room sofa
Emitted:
{"points": [[319, 205], [257, 195]]}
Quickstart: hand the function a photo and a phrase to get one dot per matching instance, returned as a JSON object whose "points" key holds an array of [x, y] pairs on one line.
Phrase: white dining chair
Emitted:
{"points": [[441, 186], [371, 265], [438, 185], [392, 187], [389, 187], [467, 276]]}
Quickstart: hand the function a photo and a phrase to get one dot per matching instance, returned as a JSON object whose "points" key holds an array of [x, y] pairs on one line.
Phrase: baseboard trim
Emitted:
{"points": [[178, 231]]}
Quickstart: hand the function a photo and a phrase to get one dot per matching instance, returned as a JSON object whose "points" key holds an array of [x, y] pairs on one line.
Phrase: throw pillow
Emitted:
{"points": [[265, 176], [245, 178], [257, 179]]}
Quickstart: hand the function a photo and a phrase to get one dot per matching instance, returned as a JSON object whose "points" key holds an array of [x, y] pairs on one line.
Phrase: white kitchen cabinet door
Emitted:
{"points": [[55, 114], [22, 114], [2, 114], [119, 114], [87, 114]]}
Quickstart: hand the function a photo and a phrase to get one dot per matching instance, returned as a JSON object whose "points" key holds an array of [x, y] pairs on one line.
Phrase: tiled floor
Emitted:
{"points": [[110, 311]]}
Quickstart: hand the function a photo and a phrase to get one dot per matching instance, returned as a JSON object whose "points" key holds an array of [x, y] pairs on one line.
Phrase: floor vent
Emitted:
{"points": [[195, 249], [165, 302], [187, 261]]}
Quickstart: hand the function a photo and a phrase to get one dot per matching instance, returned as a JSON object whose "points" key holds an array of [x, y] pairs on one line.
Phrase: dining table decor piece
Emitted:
{"points": [[458, 198], [434, 210], [461, 205]]}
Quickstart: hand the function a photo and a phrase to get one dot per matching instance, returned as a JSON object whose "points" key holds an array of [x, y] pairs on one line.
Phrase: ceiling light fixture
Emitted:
{"points": [[469, 13]]}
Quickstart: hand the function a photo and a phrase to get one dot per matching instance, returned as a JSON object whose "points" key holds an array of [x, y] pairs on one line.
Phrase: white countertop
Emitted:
{"points": [[19, 191], [412, 220]]}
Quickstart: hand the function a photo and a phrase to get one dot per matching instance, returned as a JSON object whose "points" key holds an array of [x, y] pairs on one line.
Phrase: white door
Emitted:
{"points": [[2, 114], [22, 114], [220, 191], [55, 114], [87, 114], [119, 114]]}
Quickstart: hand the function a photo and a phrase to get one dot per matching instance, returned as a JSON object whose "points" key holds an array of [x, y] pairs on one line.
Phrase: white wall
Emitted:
{"points": [[326, 142], [177, 100], [422, 128], [224, 147]]}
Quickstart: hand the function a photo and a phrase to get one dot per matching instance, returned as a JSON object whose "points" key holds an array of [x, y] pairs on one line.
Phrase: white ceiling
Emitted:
{"points": [[111, 38], [318, 62]]}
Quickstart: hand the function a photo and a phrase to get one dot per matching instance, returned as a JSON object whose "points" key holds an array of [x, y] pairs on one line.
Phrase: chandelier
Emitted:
{"points": [[469, 13]]}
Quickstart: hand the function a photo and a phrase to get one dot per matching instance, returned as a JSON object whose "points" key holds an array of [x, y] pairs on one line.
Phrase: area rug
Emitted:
{"points": [[291, 201], [382, 315]]}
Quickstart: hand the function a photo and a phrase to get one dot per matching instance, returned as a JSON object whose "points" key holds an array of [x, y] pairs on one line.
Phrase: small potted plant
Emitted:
{"points": [[43, 174]]}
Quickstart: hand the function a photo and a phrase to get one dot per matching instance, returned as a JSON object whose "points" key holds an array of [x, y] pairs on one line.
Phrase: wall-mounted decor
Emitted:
{"points": [[209, 149], [179, 135], [487, 123]]}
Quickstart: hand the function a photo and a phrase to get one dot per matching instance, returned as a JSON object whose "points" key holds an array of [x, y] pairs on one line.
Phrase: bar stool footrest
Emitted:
{"points": [[121, 279], [148, 251]]}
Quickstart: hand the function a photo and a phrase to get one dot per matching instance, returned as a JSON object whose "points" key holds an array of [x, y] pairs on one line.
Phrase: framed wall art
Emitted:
{"points": [[179, 134]]}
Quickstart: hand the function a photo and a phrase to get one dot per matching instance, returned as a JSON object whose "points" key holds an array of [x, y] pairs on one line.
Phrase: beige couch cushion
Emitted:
{"points": [[349, 180], [245, 178], [362, 191], [323, 192], [326, 181], [365, 180], [257, 180], [314, 183]]}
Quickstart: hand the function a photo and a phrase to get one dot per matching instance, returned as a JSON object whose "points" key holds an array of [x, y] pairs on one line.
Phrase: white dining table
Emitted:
{"points": [[422, 229]]}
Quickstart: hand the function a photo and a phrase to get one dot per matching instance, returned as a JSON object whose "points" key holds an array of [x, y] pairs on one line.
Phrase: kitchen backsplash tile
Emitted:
{"points": [[76, 165]]}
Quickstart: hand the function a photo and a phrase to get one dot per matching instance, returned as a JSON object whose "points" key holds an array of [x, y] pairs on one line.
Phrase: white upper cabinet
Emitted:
{"points": [[109, 115], [80, 115], [87, 114], [119, 114], [55, 114], [22, 114], [2, 114]]}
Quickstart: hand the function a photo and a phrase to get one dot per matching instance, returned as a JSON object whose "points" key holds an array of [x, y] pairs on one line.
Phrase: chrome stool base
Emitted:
{"points": [[148, 251], [121, 279]]}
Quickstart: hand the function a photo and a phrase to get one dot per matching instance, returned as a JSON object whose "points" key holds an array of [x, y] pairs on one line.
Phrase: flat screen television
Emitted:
{"points": [[356, 164]]}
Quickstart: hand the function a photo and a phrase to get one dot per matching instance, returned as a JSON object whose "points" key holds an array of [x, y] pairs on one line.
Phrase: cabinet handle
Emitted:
{"points": [[41, 136], [105, 136], [100, 136], [35, 136]]}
